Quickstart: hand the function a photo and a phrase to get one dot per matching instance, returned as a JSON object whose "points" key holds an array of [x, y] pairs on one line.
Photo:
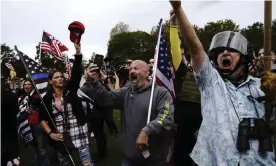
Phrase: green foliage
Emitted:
{"points": [[119, 28], [254, 33], [6, 52], [9, 55], [211, 28], [124, 44], [130, 45], [273, 42]]}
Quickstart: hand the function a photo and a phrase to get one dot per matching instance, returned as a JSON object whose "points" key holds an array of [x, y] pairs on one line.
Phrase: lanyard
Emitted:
{"points": [[250, 98]]}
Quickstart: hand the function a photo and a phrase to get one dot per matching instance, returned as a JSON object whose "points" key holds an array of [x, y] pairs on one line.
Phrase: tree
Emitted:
{"points": [[130, 45], [211, 28], [205, 34], [6, 53], [273, 43], [255, 34], [119, 28]]}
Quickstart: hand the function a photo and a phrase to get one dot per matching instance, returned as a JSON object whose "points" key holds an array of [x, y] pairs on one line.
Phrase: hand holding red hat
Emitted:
{"points": [[78, 47], [76, 30]]}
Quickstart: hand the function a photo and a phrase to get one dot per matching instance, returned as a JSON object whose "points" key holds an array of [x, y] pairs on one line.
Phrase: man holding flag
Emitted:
{"points": [[147, 110]]}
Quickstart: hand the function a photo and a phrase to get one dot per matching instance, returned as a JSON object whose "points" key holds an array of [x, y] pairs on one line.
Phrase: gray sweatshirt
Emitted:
{"points": [[134, 110]]}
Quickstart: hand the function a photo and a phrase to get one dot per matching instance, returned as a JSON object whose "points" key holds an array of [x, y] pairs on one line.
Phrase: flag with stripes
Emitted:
{"points": [[52, 45], [40, 77], [38, 74], [163, 70], [24, 128], [67, 64], [9, 66]]}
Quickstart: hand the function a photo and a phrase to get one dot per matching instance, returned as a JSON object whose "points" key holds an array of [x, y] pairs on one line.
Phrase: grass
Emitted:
{"points": [[114, 157]]}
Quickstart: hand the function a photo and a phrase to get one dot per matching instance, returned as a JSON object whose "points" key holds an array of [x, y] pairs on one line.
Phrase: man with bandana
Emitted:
{"points": [[228, 99]]}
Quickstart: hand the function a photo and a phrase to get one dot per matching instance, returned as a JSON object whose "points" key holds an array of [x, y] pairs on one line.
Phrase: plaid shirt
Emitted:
{"points": [[77, 133]]}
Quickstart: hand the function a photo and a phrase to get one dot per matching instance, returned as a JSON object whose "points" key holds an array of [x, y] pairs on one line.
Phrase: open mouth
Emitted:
{"points": [[133, 78], [226, 62]]}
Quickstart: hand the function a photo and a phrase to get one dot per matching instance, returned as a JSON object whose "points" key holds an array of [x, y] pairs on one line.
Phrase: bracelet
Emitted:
{"points": [[50, 133]]}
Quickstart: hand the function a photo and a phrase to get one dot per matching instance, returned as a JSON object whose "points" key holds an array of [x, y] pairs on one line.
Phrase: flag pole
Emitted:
{"points": [[154, 69], [19, 54], [39, 55]]}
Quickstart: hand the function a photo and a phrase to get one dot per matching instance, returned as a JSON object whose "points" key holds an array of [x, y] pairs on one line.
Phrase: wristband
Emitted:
{"points": [[50, 133]]}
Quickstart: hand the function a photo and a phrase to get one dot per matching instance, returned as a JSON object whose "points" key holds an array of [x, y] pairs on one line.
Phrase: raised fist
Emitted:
{"points": [[77, 47], [175, 4], [172, 17]]}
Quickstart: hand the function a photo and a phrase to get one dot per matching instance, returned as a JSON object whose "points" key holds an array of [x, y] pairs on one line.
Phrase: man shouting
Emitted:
{"points": [[233, 131], [137, 138]]}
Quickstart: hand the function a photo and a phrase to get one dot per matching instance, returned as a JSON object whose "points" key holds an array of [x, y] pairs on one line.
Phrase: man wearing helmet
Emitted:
{"points": [[230, 108]]}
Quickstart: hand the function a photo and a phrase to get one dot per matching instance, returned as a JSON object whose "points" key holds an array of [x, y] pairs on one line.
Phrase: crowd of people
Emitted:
{"points": [[218, 115]]}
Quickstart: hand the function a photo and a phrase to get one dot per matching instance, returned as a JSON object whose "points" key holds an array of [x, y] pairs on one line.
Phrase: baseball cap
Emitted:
{"points": [[76, 29]]}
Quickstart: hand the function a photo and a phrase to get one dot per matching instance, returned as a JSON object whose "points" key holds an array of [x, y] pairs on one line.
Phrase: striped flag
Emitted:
{"points": [[24, 127], [67, 64], [52, 45], [38, 74], [40, 79], [163, 71]]}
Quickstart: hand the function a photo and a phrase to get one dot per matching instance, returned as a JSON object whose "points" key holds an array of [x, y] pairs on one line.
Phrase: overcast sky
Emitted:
{"points": [[22, 21]]}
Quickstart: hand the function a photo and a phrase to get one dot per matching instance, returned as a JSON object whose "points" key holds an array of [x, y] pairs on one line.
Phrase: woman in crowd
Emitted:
{"points": [[29, 109], [65, 123]]}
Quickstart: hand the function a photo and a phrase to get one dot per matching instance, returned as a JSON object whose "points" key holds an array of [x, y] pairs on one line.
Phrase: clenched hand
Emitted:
{"points": [[142, 141], [77, 47], [175, 4]]}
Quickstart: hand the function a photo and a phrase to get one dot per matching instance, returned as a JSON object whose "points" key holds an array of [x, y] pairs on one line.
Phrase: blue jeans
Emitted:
{"points": [[84, 154], [37, 146]]}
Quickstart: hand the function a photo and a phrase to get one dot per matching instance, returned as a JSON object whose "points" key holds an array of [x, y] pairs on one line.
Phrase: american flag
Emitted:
{"points": [[24, 127], [67, 64], [9, 66], [163, 70], [39, 75], [50, 44]]}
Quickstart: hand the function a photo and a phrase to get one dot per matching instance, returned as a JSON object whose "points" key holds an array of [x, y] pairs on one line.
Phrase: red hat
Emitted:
{"points": [[76, 29]]}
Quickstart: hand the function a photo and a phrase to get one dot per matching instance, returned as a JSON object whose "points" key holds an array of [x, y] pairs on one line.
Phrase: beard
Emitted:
{"points": [[92, 79]]}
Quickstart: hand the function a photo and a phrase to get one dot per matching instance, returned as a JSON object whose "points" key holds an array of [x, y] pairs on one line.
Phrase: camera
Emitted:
{"points": [[253, 128]]}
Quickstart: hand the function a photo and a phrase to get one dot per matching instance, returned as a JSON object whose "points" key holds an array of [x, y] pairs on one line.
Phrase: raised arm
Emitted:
{"points": [[189, 36], [108, 99], [74, 82], [97, 92]]}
